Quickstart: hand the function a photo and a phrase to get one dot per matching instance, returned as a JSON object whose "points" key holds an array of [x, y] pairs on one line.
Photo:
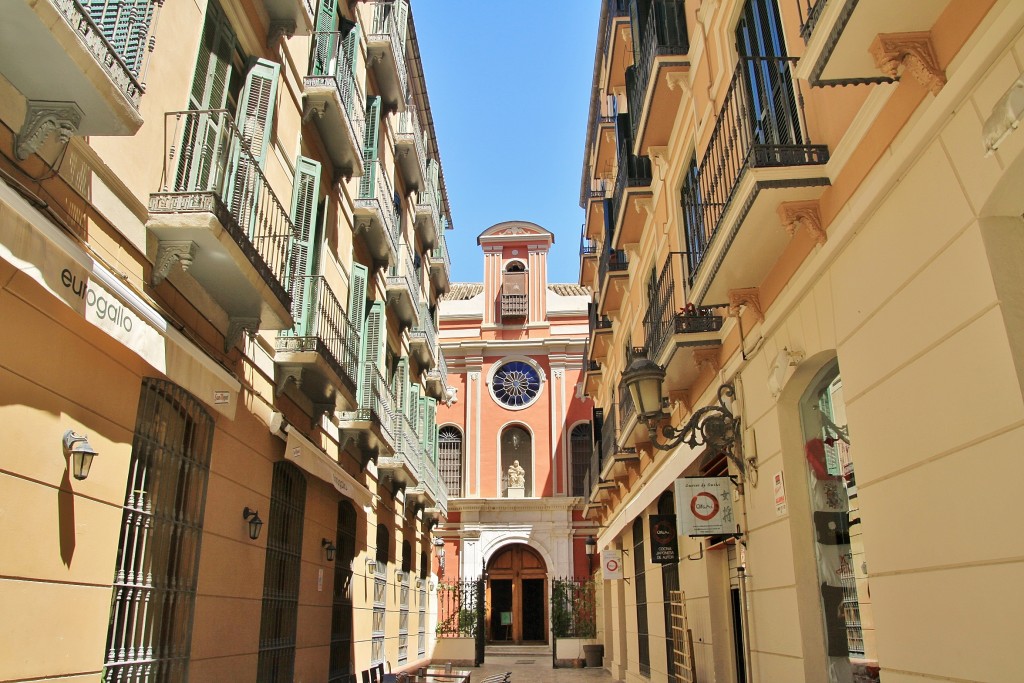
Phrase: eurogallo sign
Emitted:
{"points": [[98, 301]]}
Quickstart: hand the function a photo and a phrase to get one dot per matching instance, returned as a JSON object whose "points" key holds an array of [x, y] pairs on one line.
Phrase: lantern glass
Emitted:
{"points": [[82, 463], [644, 380], [591, 546]]}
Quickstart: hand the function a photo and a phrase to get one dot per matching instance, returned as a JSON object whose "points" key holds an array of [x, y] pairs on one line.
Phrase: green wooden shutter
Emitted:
{"points": [[430, 428], [305, 194], [367, 184], [356, 316], [373, 349], [349, 59], [401, 384], [255, 114], [325, 41], [401, 15], [125, 25]]}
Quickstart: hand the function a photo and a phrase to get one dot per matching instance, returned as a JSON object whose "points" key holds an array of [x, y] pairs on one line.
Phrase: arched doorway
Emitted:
{"points": [[517, 596]]}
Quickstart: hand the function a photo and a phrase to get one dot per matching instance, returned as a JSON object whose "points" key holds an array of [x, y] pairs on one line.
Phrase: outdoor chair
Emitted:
{"points": [[498, 678]]}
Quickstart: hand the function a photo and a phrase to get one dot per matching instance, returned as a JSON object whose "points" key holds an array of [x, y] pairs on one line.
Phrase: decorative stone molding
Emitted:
{"points": [[645, 203], [169, 253], [659, 155], [278, 30], [679, 399], [707, 357], [313, 112], [288, 373], [42, 119], [473, 376], [236, 326], [558, 373], [914, 52], [747, 296], [679, 80], [804, 214]]}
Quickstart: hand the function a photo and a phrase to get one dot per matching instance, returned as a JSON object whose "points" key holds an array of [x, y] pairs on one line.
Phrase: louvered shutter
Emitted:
{"points": [[125, 25], [305, 193], [202, 134], [421, 416], [401, 16], [255, 113], [413, 407], [347, 69], [373, 349], [401, 384], [356, 315], [430, 428], [325, 41], [367, 184]]}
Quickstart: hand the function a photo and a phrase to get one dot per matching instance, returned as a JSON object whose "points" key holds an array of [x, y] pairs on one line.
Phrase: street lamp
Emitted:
{"points": [[591, 546], [255, 523], [76, 447], [329, 549]]}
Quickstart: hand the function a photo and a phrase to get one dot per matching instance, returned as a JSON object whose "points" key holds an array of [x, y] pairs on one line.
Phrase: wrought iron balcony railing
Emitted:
{"points": [[609, 435], [323, 326], [376, 402], [425, 329], [613, 261], [633, 171], [385, 24], [441, 252], [208, 168], [669, 314], [116, 35], [758, 127], [627, 410], [375, 186], [664, 33], [596, 323], [408, 446], [588, 245], [409, 127], [330, 66], [514, 306], [810, 12]]}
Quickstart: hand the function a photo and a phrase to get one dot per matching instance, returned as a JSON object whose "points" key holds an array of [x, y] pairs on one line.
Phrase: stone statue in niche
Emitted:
{"points": [[516, 480]]}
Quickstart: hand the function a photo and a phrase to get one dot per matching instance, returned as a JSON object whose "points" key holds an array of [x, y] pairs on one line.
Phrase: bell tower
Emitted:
{"points": [[515, 274]]}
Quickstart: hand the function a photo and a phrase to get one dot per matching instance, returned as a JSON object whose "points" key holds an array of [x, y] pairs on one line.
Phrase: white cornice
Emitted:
{"points": [[558, 504]]}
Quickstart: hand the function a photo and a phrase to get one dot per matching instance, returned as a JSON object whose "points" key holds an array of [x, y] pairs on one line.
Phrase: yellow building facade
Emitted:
{"points": [[221, 248], [803, 218]]}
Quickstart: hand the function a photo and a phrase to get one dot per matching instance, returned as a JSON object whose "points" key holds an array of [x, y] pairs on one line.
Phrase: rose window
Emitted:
{"points": [[516, 384]]}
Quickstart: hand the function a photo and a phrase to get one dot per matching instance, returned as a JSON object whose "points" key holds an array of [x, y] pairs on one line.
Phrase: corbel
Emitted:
{"points": [[278, 30], [746, 296], [914, 52], [707, 357], [314, 112], [169, 253], [679, 80], [803, 214], [288, 373], [236, 326], [43, 118]]}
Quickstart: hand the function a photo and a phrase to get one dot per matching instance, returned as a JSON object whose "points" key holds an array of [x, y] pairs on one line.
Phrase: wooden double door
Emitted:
{"points": [[517, 598]]}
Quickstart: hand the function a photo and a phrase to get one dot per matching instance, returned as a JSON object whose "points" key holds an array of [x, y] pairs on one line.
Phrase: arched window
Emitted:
{"points": [[406, 556], [581, 448], [383, 544], [449, 441], [514, 291], [517, 450]]}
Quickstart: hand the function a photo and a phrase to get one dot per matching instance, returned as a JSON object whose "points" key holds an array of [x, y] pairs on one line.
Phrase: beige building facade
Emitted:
{"points": [[222, 242], [807, 215]]}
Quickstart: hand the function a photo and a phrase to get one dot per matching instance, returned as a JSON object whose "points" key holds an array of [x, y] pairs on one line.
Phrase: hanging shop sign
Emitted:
{"points": [[611, 564], [664, 544], [704, 506]]}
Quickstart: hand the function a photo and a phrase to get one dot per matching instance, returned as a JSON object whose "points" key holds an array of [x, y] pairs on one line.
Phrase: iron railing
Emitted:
{"points": [[602, 323], [375, 188], [116, 34], [573, 608], [458, 608], [330, 66], [385, 25], [758, 126], [514, 305], [441, 252], [810, 13], [377, 403], [616, 8], [402, 273], [664, 33], [327, 329], [668, 313], [633, 171], [612, 261], [609, 435], [425, 329], [408, 446], [208, 168], [588, 245], [409, 128]]}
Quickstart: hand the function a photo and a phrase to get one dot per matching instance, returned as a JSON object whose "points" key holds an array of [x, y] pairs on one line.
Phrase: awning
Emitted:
{"points": [[41, 250], [314, 460]]}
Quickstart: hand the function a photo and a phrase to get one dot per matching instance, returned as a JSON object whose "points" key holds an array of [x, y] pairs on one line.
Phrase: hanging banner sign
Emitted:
{"points": [[611, 564], [664, 546], [704, 506]]}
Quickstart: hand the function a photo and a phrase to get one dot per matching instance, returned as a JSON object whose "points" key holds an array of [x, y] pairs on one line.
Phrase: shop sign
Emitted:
{"points": [[704, 506], [664, 546], [611, 564], [780, 494]]}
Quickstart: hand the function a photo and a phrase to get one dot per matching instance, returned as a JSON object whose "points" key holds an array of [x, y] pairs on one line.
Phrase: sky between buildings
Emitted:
{"points": [[509, 88]]}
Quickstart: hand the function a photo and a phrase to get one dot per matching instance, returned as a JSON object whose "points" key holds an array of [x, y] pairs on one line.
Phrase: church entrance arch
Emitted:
{"points": [[517, 599]]}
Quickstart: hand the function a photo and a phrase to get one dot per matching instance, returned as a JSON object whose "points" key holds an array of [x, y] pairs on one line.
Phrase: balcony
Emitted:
{"points": [[335, 101], [616, 44], [428, 209], [289, 17], [436, 380], [385, 49], [410, 152], [612, 452], [592, 375], [840, 33], [604, 142], [514, 306], [757, 158], [78, 67], [588, 259], [375, 214], [372, 424], [403, 466], [653, 82], [598, 208], [423, 340], [321, 354], [600, 334], [675, 329], [216, 214], [632, 184], [613, 280], [440, 265], [403, 288]]}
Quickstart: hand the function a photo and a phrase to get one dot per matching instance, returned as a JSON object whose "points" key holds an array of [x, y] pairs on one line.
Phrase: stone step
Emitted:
{"points": [[518, 651]]}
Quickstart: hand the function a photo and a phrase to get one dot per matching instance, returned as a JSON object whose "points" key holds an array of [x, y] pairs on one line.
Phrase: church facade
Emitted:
{"points": [[515, 440]]}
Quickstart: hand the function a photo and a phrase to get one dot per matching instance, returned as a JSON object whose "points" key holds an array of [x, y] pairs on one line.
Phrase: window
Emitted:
{"points": [[154, 589], [515, 384], [640, 580], [835, 520], [403, 603], [276, 662], [450, 446], [514, 303], [341, 667], [581, 447]]}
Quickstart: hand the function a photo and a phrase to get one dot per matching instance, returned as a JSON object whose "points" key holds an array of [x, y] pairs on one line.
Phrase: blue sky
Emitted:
{"points": [[509, 87]]}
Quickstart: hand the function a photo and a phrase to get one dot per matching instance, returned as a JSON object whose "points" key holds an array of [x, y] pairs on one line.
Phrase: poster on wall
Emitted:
{"points": [[704, 506], [611, 564], [664, 546]]}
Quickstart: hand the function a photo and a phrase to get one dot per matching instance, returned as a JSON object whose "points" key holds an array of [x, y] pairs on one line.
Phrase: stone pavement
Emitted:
{"points": [[536, 668]]}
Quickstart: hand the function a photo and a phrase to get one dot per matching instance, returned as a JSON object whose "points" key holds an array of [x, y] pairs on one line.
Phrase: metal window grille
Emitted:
{"points": [[450, 447], [403, 617], [421, 642], [581, 446], [380, 596], [276, 661], [154, 586], [341, 666], [669, 587], [640, 581]]}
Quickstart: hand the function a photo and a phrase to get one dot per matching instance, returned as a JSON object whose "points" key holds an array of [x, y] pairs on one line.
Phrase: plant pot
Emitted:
{"points": [[594, 655], [578, 663]]}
